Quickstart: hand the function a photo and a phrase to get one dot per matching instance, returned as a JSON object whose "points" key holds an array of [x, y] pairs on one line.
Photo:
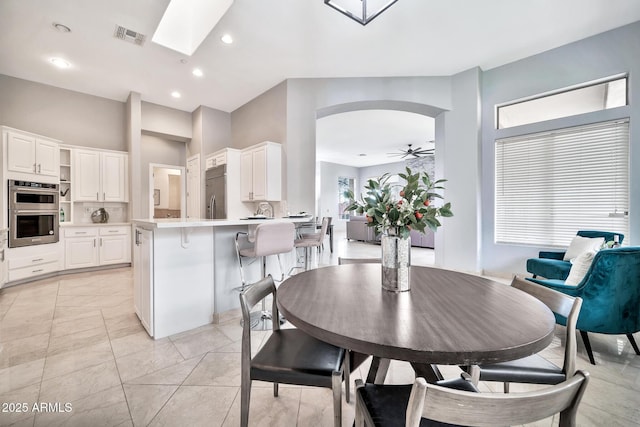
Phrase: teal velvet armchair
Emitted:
{"points": [[550, 264], [610, 293]]}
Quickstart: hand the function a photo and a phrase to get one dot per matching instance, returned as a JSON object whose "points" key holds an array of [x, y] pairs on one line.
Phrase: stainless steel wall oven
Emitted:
{"points": [[33, 213]]}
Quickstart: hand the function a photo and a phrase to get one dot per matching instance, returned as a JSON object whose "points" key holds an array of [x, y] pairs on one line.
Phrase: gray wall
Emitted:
{"points": [[262, 119], [160, 120], [216, 130], [607, 54], [72, 117]]}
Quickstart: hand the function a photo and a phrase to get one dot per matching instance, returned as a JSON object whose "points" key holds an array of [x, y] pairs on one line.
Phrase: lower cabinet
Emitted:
{"points": [[94, 246], [33, 261]]}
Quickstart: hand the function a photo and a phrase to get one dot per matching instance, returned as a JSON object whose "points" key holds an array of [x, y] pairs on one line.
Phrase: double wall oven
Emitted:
{"points": [[33, 213]]}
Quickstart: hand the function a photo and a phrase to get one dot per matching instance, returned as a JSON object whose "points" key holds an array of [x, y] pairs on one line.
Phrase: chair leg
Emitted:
{"points": [[633, 343], [336, 386], [587, 345], [346, 368], [359, 421], [506, 387], [275, 389], [245, 395]]}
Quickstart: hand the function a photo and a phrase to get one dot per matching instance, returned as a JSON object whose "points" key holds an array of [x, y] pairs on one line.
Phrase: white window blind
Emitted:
{"points": [[550, 185]]}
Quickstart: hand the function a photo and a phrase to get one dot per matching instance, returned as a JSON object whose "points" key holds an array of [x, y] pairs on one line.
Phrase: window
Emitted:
{"points": [[550, 185], [595, 97], [344, 184]]}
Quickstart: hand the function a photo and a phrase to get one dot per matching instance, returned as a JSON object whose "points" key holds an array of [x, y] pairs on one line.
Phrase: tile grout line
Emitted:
{"points": [[46, 354], [179, 385], [117, 369]]}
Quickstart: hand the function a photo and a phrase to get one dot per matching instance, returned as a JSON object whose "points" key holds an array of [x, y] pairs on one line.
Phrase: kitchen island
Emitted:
{"points": [[186, 270]]}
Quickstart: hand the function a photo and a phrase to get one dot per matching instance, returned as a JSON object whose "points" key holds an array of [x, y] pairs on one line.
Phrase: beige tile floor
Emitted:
{"points": [[75, 340]]}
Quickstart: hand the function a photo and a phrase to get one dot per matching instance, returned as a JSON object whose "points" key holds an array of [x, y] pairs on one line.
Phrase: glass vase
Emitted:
{"points": [[396, 263]]}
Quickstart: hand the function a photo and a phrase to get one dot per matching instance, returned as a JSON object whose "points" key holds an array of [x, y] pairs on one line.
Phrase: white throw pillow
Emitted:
{"points": [[581, 244], [579, 267]]}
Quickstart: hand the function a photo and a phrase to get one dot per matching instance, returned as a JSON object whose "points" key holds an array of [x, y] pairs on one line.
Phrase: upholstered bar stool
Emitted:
{"points": [[313, 240], [269, 238]]}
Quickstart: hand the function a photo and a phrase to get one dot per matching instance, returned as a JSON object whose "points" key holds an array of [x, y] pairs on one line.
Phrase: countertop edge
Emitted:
{"points": [[200, 222]]}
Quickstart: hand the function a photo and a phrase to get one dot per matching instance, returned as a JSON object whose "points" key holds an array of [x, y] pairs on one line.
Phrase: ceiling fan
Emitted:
{"points": [[415, 152]]}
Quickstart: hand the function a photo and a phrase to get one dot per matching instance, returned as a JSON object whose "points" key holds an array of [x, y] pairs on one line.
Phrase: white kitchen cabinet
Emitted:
{"points": [[32, 154], [143, 278], [99, 176], [80, 247], [218, 158], [114, 245], [3, 250], [32, 261], [94, 246], [261, 172]]}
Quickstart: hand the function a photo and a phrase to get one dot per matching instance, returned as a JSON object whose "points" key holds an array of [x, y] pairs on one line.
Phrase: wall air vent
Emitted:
{"points": [[127, 35]]}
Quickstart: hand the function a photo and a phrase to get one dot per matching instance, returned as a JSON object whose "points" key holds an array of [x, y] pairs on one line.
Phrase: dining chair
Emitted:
{"points": [[289, 356], [313, 240], [535, 369], [423, 404]]}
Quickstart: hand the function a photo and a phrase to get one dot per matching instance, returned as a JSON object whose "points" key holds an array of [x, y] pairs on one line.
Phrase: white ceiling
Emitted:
{"points": [[279, 39], [341, 138]]}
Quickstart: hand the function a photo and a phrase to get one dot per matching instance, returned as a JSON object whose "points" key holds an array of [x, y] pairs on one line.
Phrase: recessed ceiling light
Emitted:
{"points": [[60, 63], [61, 27], [197, 72], [227, 39], [362, 155], [176, 94]]}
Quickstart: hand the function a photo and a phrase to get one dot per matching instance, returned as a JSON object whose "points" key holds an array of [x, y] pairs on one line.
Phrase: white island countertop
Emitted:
{"points": [[201, 222]]}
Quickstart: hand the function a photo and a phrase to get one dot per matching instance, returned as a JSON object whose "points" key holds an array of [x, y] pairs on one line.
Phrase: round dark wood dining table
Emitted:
{"points": [[447, 317]]}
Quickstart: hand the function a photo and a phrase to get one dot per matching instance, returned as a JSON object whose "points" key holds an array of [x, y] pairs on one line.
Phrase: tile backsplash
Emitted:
{"points": [[82, 212]]}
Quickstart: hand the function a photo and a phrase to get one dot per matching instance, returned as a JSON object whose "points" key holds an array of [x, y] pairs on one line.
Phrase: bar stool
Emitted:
{"points": [[270, 238], [313, 240]]}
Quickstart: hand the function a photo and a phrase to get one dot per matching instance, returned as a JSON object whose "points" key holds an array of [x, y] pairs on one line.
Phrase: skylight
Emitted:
{"points": [[186, 23]]}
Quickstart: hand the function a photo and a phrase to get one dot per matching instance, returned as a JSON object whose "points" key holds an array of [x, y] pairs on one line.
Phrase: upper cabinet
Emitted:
{"points": [[261, 172], [99, 176], [31, 154]]}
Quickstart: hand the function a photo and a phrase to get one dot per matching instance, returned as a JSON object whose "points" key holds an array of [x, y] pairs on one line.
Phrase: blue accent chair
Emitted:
{"points": [[610, 293], [550, 264]]}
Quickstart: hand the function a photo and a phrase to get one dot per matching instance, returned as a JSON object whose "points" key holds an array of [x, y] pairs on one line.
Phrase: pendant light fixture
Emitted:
{"points": [[361, 11]]}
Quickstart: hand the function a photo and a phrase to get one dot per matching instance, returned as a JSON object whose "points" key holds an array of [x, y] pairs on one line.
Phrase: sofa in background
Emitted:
{"points": [[357, 229]]}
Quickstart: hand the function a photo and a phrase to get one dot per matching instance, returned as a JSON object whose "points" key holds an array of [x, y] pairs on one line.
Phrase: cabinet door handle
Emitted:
{"points": [[36, 259], [81, 232], [101, 242], [34, 168], [97, 196], [104, 196], [137, 237], [94, 243], [39, 167], [37, 271]]}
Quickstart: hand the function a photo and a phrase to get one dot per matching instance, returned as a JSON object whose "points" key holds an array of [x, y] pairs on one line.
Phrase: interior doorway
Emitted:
{"points": [[167, 198]]}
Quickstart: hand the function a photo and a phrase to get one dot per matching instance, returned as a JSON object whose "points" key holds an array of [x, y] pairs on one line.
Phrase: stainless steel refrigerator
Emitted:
{"points": [[216, 192]]}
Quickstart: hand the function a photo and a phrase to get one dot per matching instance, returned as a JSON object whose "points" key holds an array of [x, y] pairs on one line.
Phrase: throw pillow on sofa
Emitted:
{"points": [[579, 267], [581, 245]]}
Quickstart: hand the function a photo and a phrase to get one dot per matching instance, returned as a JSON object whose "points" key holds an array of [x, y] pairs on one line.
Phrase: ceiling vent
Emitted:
{"points": [[128, 35]]}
